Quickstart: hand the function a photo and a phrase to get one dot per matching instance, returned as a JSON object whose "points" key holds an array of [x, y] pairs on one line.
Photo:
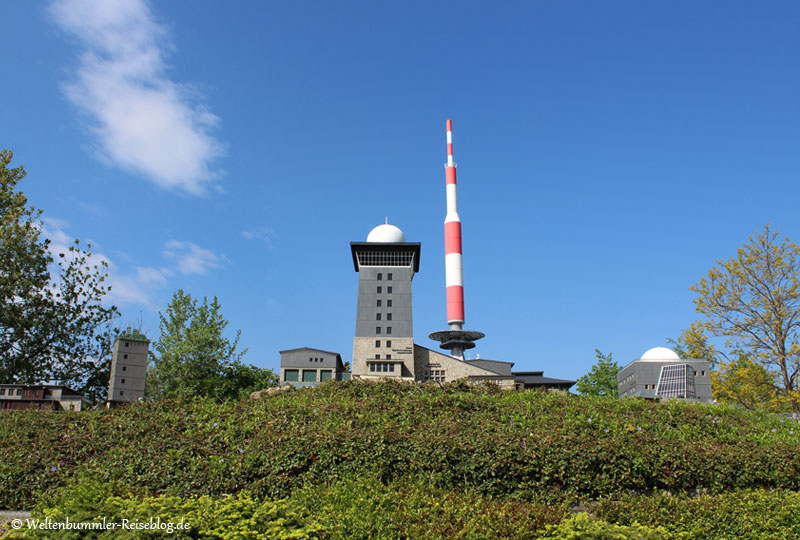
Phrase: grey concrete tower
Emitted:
{"points": [[128, 367], [384, 342]]}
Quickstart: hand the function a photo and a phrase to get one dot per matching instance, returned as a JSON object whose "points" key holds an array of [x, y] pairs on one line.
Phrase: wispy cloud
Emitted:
{"points": [[143, 121], [264, 234], [144, 284], [190, 258]]}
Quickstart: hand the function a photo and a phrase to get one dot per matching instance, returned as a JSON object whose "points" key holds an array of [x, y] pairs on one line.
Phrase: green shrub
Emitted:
{"points": [[743, 515], [231, 517], [581, 527], [526, 445], [367, 510]]}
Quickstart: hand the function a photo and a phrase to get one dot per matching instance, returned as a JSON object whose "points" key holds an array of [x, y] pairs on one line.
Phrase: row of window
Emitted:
{"points": [[378, 329], [309, 375], [388, 316], [388, 276], [384, 258], [388, 302], [388, 290], [10, 391], [314, 359], [378, 343], [383, 367], [435, 375], [378, 357]]}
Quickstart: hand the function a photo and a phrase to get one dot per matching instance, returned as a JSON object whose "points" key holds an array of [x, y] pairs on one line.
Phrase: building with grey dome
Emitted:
{"points": [[661, 374]]}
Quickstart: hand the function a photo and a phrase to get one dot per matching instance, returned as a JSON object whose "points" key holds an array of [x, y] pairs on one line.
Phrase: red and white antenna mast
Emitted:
{"points": [[452, 243], [457, 340]]}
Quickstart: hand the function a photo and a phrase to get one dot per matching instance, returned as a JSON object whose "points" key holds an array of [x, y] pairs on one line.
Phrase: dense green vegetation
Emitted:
{"points": [[398, 460]]}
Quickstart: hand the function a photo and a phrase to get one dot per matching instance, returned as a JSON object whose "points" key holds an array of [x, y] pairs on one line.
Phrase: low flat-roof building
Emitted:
{"points": [[41, 397], [527, 380], [661, 373], [309, 367]]}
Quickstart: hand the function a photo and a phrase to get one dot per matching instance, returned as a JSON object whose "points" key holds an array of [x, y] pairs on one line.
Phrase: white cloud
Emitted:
{"points": [[143, 121], [191, 258], [152, 277]]}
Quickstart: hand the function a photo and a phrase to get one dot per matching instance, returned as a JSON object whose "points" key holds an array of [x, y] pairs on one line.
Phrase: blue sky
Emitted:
{"points": [[608, 153]]}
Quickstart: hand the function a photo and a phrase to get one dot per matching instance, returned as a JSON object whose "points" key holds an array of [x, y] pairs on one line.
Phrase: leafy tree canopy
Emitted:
{"points": [[737, 379], [53, 326], [192, 357], [602, 379], [753, 299]]}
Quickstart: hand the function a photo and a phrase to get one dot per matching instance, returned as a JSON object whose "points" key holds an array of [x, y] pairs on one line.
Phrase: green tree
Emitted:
{"points": [[753, 299], [53, 326], [192, 357], [602, 379]]}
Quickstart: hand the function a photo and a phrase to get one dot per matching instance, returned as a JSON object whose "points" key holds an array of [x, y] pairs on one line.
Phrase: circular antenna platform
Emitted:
{"points": [[452, 339]]}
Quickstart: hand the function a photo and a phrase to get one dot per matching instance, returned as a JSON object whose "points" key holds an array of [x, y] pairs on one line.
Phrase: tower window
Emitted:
{"points": [[377, 316], [380, 289], [124, 356], [122, 381], [377, 329], [377, 343], [389, 276], [126, 343], [388, 290], [379, 302], [388, 329], [380, 276], [388, 316], [388, 303], [124, 368]]}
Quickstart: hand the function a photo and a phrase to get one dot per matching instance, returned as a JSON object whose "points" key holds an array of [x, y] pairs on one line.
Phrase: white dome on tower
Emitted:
{"points": [[660, 354], [386, 234]]}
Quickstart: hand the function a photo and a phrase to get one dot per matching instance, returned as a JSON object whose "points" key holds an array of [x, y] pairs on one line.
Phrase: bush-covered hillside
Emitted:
{"points": [[524, 444], [515, 452]]}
